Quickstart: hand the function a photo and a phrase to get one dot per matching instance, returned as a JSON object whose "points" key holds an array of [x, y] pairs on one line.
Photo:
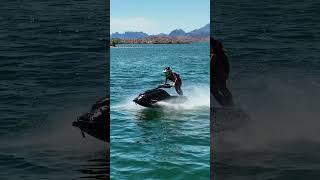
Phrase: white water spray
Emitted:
{"points": [[198, 98]]}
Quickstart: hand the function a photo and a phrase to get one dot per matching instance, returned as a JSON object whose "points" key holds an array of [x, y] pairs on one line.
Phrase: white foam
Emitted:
{"points": [[198, 98]]}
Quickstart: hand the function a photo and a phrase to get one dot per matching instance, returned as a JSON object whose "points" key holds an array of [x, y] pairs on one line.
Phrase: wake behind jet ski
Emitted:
{"points": [[150, 98], [96, 121]]}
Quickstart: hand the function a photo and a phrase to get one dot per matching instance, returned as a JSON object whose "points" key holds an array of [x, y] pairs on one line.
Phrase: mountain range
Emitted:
{"points": [[203, 32]]}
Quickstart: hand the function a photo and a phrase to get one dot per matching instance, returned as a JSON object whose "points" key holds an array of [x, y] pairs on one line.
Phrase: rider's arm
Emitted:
{"points": [[227, 66], [213, 59], [175, 79]]}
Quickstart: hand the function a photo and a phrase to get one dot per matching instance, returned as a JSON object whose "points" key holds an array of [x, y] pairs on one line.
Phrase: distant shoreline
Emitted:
{"points": [[156, 43], [152, 43], [158, 40]]}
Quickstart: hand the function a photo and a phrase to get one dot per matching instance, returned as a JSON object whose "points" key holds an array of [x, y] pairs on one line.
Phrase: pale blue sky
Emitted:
{"points": [[158, 16]]}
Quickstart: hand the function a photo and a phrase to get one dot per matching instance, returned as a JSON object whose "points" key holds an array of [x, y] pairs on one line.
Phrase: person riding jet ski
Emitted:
{"points": [[219, 70], [172, 76]]}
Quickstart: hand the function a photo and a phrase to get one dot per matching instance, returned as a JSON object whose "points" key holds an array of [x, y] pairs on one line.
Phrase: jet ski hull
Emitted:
{"points": [[151, 97], [96, 121], [96, 130]]}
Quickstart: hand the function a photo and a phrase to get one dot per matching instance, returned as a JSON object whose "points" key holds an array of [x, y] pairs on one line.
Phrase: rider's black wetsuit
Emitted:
{"points": [[177, 82], [219, 70]]}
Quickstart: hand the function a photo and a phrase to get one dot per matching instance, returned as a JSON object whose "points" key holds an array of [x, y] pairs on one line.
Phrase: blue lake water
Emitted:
{"points": [[53, 67], [171, 142], [273, 47]]}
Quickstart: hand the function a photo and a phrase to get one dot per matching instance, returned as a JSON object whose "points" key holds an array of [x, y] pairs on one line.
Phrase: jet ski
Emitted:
{"points": [[96, 121], [150, 98]]}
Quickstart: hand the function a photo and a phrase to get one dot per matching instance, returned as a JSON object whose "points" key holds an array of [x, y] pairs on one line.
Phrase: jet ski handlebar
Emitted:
{"points": [[164, 86]]}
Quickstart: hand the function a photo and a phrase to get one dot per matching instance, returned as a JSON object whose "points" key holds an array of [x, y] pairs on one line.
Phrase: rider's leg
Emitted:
{"points": [[215, 90], [228, 100], [178, 88]]}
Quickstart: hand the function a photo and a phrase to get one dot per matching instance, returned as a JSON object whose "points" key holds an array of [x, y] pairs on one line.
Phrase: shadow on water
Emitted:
{"points": [[148, 114], [156, 125], [97, 167]]}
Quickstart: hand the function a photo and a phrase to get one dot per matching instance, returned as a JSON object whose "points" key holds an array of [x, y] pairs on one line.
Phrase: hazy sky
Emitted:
{"points": [[158, 16]]}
